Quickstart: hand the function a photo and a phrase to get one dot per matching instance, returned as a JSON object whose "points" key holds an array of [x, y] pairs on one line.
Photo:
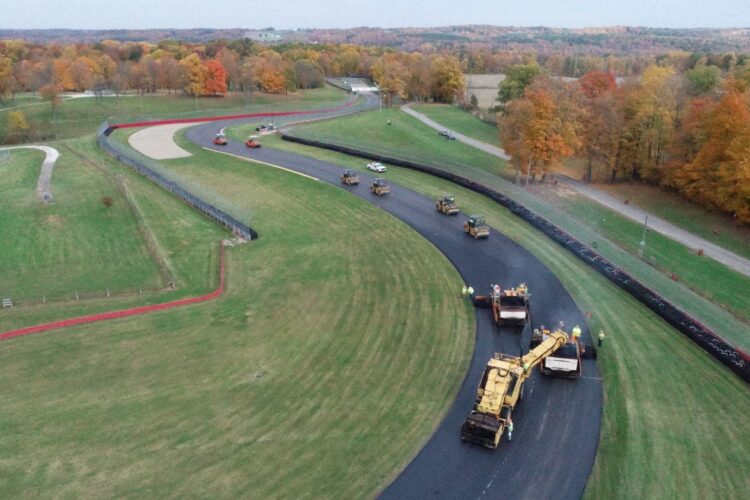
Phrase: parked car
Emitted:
{"points": [[261, 128], [443, 133], [376, 166]]}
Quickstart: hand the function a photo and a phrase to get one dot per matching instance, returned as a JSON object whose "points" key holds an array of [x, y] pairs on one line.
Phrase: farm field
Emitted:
{"points": [[644, 363], [213, 398]]}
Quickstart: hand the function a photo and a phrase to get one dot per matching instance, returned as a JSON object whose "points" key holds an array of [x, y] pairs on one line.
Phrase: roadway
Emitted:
{"points": [[557, 424]]}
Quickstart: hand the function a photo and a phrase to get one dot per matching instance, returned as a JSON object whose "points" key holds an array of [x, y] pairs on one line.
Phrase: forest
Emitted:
{"points": [[679, 120]]}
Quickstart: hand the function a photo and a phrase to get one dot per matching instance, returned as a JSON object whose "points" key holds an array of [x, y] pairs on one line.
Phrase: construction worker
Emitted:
{"points": [[510, 429], [601, 337], [463, 291], [545, 333], [576, 333], [470, 290]]}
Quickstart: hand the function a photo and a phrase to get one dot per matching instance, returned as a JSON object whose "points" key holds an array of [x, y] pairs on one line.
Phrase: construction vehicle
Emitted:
{"points": [[350, 177], [220, 140], [500, 390], [476, 227], [252, 142], [510, 307], [447, 205], [566, 362], [380, 187]]}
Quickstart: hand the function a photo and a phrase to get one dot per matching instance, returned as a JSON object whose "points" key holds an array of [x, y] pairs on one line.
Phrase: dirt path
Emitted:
{"points": [[44, 184], [729, 259], [487, 148], [158, 142]]}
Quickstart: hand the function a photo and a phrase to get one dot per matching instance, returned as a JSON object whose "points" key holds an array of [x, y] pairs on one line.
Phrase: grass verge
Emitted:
{"points": [[316, 374], [460, 121]]}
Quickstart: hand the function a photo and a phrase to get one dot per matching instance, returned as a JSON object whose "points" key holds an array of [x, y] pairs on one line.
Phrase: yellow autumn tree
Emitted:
{"points": [[194, 73]]}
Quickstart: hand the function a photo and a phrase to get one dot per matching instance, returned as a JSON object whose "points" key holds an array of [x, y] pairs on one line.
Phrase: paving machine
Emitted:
{"points": [[220, 140], [500, 390], [447, 205], [476, 227], [566, 361], [252, 142], [350, 177], [380, 187]]}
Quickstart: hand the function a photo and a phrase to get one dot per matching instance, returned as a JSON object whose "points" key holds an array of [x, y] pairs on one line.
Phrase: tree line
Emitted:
{"points": [[683, 128]]}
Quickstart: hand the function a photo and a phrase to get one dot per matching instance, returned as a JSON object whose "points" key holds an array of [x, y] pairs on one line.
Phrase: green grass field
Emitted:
{"points": [[460, 121], [77, 117], [74, 244], [675, 421], [406, 137], [420, 142], [329, 361], [703, 274]]}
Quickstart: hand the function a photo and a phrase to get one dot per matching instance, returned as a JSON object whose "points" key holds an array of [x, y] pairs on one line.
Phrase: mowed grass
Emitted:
{"points": [[712, 313], [460, 121], [74, 244], [702, 274], [405, 137], [715, 227], [333, 355], [82, 116], [675, 420]]}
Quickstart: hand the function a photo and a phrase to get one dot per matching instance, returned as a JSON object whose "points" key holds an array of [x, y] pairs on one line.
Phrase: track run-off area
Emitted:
{"points": [[557, 424]]}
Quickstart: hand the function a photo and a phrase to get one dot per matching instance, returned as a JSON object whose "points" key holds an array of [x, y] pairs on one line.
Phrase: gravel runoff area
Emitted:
{"points": [[558, 422], [726, 257], [158, 142], [44, 184]]}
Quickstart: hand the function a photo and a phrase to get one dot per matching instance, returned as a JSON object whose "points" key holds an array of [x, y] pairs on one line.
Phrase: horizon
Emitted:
{"points": [[386, 14]]}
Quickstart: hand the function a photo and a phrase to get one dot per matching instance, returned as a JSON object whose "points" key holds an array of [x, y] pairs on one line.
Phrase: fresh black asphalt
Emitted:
{"points": [[557, 423]]}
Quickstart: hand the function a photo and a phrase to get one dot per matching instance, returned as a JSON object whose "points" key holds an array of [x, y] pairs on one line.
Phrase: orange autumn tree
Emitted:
{"points": [[719, 175], [215, 78], [534, 134]]}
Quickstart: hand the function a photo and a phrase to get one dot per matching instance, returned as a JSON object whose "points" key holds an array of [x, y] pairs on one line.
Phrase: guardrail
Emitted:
{"points": [[235, 226], [735, 359]]}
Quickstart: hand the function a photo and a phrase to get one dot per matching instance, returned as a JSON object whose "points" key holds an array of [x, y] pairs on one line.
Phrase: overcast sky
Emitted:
{"points": [[133, 14]]}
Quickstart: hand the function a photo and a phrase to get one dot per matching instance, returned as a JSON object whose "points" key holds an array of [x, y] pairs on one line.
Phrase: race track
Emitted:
{"points": [[557, 424]]}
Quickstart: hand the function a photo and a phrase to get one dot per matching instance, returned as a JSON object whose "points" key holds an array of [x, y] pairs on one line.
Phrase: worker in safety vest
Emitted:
{"points": [[470, 290], [510, 429], [601, 337], [463, 291], [576, 333]]}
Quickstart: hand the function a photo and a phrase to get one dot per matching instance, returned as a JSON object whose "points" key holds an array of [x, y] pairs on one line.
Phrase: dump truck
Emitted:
{"points": [[566, 361], [447, 205], [500, 389], [476, 227], [350, 177], [380, 187], [252, 142], [220, 140]]}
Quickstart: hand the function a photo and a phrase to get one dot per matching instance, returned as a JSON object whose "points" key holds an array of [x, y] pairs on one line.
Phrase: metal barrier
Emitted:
{"points": [[235, 226], [735, 359]]}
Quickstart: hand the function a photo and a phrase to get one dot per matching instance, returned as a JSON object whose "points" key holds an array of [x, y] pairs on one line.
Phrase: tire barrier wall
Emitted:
{"points": [[83, 320], [732, 357], [235, 226]]}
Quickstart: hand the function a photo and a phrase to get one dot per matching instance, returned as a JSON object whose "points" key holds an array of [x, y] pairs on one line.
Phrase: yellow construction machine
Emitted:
{"points": [[476, 227], [350, 177], [447, 205], [380, 187], [566, 362], [500, 390], [510, 307]]}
